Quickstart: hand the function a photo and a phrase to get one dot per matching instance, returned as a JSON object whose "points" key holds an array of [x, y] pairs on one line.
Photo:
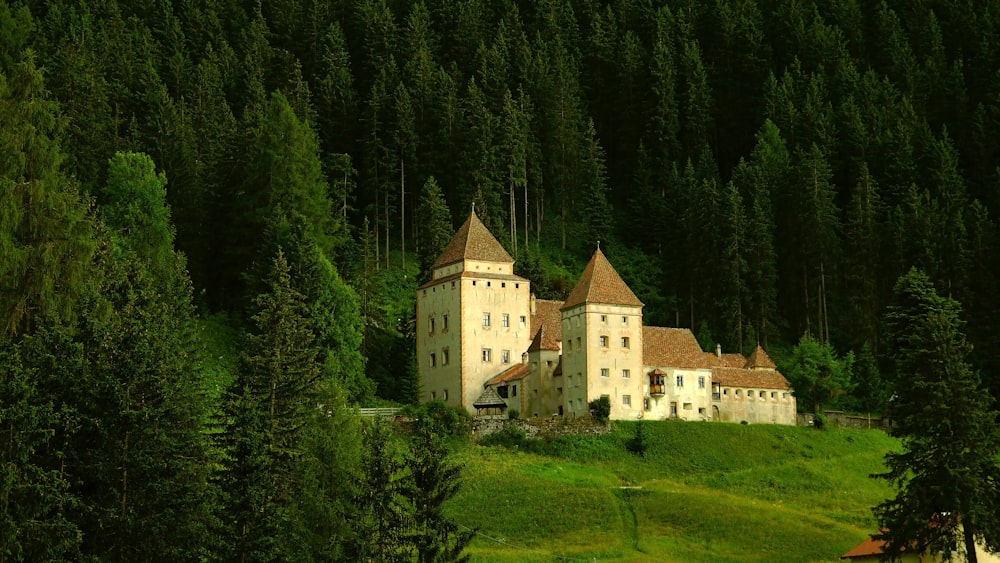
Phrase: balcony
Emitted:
{"points": [[657, 390], [716, 396]]}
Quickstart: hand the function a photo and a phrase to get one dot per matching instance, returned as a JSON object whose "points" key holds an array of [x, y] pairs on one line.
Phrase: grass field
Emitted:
{"points": [[702, 492]]}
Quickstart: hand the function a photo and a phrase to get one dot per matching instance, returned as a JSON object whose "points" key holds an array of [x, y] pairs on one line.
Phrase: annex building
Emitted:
{"points": [[486, 344]]}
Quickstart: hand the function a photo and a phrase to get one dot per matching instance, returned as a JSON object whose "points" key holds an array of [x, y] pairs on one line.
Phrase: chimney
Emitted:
{"points": [[533, 307], [718, 351]]}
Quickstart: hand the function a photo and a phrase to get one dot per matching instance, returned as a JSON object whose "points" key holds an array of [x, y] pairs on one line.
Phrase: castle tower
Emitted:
{"points": [[472, 317], [602, 342]]}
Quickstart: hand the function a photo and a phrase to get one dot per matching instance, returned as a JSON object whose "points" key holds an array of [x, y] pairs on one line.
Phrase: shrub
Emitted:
{"points": [[637, 444], [600, 409], [513, 414], [819, 421], [509, 437], [441, 419]]}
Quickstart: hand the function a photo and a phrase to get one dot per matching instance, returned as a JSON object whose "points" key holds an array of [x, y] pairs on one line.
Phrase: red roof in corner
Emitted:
{"points": [[867, 548]]}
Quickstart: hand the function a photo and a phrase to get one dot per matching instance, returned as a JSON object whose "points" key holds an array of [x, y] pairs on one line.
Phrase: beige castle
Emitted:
{"points": [[486, 344]]}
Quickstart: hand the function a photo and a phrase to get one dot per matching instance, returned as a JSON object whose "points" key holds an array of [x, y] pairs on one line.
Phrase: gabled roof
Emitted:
{"points": [[600, 283], [546, 321], [489, 399], [734, 360], [473, 241], [513, 373], [759, 360], [671, 347], [749, 378]]}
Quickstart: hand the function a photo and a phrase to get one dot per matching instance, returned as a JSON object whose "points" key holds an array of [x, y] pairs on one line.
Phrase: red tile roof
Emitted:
{"points": [[867, 548], [515, 372], [473, 241], [547, 321], [759, 360], [671, 347], [726, 361], [749, 378], [600, 283]]}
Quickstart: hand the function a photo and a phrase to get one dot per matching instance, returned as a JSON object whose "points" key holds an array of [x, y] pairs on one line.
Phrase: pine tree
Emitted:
{"points": [[947, 471], [46, 228], [435, 226], [594, 177], [435, 480], [267, 407]]}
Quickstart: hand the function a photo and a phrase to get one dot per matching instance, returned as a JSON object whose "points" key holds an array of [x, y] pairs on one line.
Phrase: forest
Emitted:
{"points": [[286, 171]]}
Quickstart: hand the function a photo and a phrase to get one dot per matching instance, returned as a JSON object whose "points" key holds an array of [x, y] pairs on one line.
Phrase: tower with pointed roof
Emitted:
{"points": [[472, 317], [602, 342]]}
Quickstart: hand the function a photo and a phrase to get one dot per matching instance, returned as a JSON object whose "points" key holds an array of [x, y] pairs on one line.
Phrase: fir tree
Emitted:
{"points": [[947, 471]]}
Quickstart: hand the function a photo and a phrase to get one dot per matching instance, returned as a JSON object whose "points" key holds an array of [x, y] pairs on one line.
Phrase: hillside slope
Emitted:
{"points": [[702, 492]]}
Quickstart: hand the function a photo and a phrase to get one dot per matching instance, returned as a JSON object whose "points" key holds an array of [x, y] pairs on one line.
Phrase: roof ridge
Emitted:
{"points": [[473, 241], [601, 283]]}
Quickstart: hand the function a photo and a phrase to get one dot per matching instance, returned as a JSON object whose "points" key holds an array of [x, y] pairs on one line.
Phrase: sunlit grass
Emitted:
{"points": [[702, 492]]}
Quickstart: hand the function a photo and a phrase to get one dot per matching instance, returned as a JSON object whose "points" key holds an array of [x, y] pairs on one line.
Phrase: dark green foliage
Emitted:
{"points": [[637, 444], [947, 472], [33, 496], [600, 408], [434, 226], [269, 404], [437, 538]]}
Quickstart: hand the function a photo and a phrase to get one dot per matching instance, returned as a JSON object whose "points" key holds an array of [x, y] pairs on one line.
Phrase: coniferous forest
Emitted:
{"points": [[285, 172]]}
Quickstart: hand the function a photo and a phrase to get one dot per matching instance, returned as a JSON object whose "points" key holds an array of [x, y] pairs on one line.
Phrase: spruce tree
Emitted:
{"points": [[947, 473], [435, 226]]}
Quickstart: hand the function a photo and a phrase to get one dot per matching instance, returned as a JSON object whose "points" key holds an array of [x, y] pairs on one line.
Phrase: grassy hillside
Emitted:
{"points": [[703, 492]]}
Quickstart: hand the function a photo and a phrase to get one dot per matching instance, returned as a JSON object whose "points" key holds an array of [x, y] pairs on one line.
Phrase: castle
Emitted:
{"points": [[486, 344]]}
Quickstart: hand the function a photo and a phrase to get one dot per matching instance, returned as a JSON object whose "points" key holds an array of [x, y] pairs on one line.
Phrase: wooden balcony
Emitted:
{"points": [[657, 390]]}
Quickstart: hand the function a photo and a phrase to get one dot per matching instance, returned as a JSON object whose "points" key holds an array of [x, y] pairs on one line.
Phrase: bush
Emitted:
{"points": [[637, 444], [819, 421], [600, 409], [509, 437], [513, 414], [441, 419]]}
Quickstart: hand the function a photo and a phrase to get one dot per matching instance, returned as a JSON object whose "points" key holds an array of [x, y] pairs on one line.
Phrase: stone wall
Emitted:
{"points": [[538, 426], [841, 420]]}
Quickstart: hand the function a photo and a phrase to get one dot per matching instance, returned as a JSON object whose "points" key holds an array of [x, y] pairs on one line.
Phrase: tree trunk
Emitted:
{"points": [[970, 542]]}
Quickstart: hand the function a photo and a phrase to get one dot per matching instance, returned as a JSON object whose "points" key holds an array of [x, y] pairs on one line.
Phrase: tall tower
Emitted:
{"points": [[602, 342], [473, 317]]}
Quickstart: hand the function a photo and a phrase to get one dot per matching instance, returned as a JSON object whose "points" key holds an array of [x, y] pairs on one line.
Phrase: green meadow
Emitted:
{"points": [[701, 492]]}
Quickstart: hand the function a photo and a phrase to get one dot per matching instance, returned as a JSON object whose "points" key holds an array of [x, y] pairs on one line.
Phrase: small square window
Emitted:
{"points": [[605, 372], [486, 319], [687, 406], [434, 395], [625, 373], [701, 382], [624, 320], [627, 400], [522, 320], [487, 355], [505, 320], [579, 343], [445, 394], [569, 344], [774, 395], [505, 356], [430, 325], [444, 323], [444, 357], [604, 318], [503, 284], [433, 360], [762, 395], [513, 391], [604, 341], [625, 342], [680, 381], [701, 410]]}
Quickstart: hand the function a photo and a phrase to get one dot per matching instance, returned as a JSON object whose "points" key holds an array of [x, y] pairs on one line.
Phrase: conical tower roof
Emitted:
{"points": [[759, 360], [600, 283], [473, 241]]}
